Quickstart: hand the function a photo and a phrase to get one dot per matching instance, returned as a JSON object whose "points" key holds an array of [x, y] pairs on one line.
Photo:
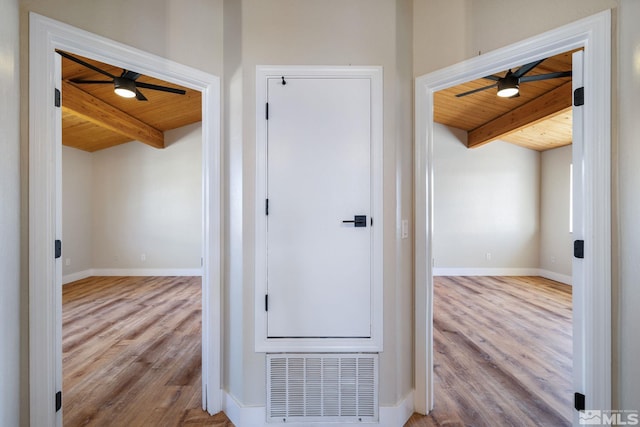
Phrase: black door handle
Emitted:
{"points": [[358, 221]]}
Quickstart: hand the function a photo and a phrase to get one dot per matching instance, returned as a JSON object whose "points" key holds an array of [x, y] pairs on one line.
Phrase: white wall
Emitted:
{"points": [[334, 32], [189, 33], [10, 350], [492, 25], [556, 243], [626, 265], [486, 201], [132, 199], [447, 32], [149, 201], [77, 210], [234, 311], [504, 200]]}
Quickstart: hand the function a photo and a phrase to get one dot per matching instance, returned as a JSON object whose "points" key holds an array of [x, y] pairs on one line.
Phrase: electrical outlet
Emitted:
{"points": [[67, 261], [143, 257], [488, 256]]}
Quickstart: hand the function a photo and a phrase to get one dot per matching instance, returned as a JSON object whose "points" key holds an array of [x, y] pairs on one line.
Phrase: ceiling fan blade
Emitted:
{"points": [[91, 82], [548, 76], [140, 96], [83, 63], [527, 67], [131, 75], [494, 78], [160, 88], [476, 90]]}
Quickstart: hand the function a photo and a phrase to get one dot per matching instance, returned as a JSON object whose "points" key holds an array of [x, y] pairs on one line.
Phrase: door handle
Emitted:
{"points": [[357, 221]]}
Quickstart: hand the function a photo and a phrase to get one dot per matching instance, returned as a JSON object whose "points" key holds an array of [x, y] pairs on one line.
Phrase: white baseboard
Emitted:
{"points": [[454, 271], [242, 416], [256, 416], [562, 278], [147, 272], [397, 415], [131, 272], [76, 276]]}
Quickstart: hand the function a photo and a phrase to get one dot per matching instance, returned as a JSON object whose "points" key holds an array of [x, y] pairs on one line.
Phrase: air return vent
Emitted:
{"points": [[322, 387]]}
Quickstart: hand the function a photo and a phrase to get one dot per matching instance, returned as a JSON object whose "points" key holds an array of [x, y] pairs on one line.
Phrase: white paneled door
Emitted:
{"points": [[319, 225]]}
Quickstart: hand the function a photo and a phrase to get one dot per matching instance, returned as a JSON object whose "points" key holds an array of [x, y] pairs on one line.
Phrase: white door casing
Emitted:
{"points": [[45, 273], [594, 293], [336, 147]]}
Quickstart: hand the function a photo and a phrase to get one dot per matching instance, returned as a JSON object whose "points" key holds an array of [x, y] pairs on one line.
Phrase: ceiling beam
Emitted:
{"points": [[551, 103], [78, 102]]}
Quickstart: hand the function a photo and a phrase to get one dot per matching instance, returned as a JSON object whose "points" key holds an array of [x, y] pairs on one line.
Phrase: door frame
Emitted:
{"points": [[594, 35], [45, 166], [375, 342]]}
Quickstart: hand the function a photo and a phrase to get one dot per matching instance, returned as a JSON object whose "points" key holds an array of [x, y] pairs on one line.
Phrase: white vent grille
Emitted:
{"points": [[322, 387]]}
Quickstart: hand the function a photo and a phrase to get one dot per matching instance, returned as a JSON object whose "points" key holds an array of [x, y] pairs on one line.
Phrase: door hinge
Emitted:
{"points": [[266, 207], [266, 111], [578, 248], [266, 302], [579, 401], [57, 98], [58, 248], [58, 401], [578, 97]]}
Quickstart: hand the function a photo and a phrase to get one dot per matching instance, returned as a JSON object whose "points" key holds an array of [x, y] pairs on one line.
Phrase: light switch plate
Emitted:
{"points": [[405, 229]]}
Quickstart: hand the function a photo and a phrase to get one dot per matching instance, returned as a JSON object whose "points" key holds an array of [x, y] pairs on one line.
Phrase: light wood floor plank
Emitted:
{"points": [[502, 353], [132, 353]]}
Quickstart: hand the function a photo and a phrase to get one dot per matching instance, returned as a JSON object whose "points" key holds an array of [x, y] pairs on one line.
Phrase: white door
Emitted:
{"points": [[318, 177]]}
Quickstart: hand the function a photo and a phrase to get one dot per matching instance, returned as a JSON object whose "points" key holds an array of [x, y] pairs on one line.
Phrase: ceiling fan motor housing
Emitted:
{"points": [[509, 85], [124, 87]]}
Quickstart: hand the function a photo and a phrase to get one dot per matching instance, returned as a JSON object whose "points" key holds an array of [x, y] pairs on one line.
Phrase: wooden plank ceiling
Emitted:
{"points": [[94, 117], [539, 119]]}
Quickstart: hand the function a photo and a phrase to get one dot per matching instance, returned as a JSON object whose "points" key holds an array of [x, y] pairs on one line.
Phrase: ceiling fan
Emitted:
{"points": [[509, 85], [125, 85]]}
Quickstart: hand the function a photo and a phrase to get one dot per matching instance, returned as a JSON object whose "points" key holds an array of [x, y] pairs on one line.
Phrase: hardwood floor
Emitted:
{"points": [[502, 353], [132, 353], [132, 357]]}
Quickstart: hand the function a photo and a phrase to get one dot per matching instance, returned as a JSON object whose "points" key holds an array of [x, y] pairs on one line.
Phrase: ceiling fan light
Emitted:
{"points": [[125, 88], [508, 92], [508, 86]]}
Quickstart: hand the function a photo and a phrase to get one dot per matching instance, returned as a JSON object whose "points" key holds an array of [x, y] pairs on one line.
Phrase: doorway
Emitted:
{"points": [[500, 329], [591, 365], [132, 227], [47, 35]]}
